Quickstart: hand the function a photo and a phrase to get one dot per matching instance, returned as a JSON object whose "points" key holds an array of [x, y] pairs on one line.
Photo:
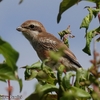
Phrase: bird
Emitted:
{"points": [[44, 42]]}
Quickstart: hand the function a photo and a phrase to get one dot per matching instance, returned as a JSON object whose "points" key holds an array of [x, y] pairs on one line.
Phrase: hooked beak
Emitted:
{"points": [[19, 29]]}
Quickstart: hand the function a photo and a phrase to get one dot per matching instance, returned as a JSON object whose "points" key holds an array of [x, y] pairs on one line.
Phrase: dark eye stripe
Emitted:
{"points": [[31, 26]]}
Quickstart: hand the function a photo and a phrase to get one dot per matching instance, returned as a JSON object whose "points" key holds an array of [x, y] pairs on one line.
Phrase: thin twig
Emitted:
{"points": [[9, 88], [94, 53]]}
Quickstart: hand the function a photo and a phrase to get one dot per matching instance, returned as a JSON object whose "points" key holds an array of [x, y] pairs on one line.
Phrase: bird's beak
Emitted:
{"points": [[19, 29]]}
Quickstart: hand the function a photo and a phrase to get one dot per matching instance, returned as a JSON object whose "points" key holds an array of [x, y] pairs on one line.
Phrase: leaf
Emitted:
{"points": [[65, 34], [46, 76], [86, 21], [3, 80], [99, 17], [39, 65], [8, 69], [80, 93], [45, 89], [66, 31], [64, 5], [6, 73], [30, 74], [94, 1], [89, 37], [75, 93], [56, 55], [33, 95], [98, 39], [36, 65], [1, 0], [82, 75], [20, 84], [66, 80], [60, 71], [97, 30], [45, 97], [10, 55], [41, 92], [95, 12], [21, 1]]}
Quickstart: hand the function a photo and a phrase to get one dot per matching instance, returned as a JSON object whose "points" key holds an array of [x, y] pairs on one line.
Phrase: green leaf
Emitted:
{"points": [[41, 92], [98, 39], [36, 65], [86, 21], [33, 95], [10, 55], [45, 97], [80, 93], [46, 76], [21, 1], [7, 73], [60, 71], [95, 12], [82, 75], [45, 89], [20, 84], [3, 80], [55, 55], [94, 1], [64, 5], [30, 74], [66, 80], [31, 71], [8, 69], [75, 93], [89, 36], [97, 30]]}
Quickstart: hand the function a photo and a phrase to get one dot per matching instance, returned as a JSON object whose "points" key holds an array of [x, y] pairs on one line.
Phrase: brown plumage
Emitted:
{"points": [[44, 42]]}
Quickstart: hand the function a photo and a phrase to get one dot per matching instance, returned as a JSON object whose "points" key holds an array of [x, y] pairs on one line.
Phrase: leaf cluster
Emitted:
{"points": [[8, 68], [61, 85]]}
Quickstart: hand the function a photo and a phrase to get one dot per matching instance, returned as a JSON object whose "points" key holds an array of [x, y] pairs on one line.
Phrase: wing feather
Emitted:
{"points": [[52, 43]]}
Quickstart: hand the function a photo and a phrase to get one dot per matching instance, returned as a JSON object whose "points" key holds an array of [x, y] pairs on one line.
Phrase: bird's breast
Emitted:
{"points": [[43, 54]]}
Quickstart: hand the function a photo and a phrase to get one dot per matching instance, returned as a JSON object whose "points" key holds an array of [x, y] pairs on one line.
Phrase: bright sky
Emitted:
{"points": [[13, 15]]}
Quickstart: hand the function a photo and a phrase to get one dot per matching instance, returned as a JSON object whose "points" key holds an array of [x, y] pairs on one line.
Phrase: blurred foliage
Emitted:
{"points": [[66, 4], [93, 13], [59, 85], [21, 1], [91, 34], [65, 34], [8, 68]]}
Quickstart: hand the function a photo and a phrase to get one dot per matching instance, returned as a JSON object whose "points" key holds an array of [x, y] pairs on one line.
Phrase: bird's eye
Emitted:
{"points": [[31, 26]]}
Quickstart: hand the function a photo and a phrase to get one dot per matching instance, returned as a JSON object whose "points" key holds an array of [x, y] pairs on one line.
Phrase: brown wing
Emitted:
{"points": [[49, 42], [72, 58]]}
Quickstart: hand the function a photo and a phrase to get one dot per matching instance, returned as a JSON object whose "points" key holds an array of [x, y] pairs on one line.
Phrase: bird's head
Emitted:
{"points": [[31, 29]]}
